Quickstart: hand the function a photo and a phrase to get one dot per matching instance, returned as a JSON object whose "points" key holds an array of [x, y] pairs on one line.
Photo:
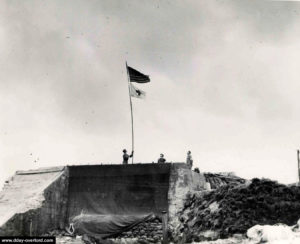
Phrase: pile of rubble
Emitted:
{"points": [[233, 209], [222, 179], [149, 231]]}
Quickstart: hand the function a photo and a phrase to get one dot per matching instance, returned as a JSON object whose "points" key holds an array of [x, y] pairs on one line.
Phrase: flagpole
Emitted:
{"points": [[132, 134]]}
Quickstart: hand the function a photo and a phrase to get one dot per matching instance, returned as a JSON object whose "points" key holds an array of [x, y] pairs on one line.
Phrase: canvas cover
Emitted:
{"points": [[102, 226]]}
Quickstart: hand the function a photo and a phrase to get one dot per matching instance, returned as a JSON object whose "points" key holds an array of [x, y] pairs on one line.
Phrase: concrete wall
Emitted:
{"points": [[182, 181], [48, 214], [118, 189], [179, 186], [198, 182]]}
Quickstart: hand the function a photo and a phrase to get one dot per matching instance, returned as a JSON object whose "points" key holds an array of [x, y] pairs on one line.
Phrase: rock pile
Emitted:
{"points": [[149, 231], [218, 180], [234, 208]]}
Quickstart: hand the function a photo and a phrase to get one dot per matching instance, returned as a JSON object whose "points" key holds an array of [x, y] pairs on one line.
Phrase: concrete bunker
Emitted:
{"points": [[66, 192]]}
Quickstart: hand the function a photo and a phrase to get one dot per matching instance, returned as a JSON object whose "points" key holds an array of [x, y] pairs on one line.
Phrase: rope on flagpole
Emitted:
{"points": [[132, 134]]}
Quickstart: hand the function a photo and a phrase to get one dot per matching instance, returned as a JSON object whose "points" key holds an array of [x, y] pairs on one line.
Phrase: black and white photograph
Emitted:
{"points": [[150, 121]]}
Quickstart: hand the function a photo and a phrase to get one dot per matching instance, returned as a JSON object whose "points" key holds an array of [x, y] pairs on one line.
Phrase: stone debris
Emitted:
{"points": [[149, 231], [235, 208]]}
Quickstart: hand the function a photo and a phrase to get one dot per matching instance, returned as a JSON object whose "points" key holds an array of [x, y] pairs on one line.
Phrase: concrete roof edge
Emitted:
{"points": [[40, 170]]}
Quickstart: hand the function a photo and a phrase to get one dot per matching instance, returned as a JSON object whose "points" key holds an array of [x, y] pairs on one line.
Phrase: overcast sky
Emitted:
{"points": [[224, 84]]}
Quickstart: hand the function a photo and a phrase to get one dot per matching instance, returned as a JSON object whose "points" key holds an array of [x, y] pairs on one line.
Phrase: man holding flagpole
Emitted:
{"points": [[137, 77], [126, 156]]}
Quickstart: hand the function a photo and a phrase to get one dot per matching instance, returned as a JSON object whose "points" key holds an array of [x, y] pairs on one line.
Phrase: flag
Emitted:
{"points": [[135, 92], [136, 76]]}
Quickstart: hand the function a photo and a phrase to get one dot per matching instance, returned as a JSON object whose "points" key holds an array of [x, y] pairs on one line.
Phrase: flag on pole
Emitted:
{"points": [[136, 76], [135, 92]]}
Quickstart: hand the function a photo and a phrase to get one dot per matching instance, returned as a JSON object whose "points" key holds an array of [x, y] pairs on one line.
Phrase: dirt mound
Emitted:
{"points": [[233, 209]]}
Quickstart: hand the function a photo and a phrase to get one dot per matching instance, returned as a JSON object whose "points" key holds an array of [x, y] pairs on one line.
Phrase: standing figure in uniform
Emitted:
{"points": [[161, 159], [126, 156], [189, 160]]}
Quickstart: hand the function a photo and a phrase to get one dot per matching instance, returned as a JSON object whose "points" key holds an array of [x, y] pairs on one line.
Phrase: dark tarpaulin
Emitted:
{"points": [[102, 226]]}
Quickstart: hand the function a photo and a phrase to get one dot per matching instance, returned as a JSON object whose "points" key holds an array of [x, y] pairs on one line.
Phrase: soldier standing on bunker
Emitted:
{"points": [[161, 159], [189, 160], [126, 156]]}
